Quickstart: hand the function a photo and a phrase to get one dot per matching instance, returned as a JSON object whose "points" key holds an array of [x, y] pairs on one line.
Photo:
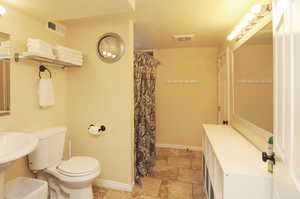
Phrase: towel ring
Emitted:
{"points": [[43, 69]]}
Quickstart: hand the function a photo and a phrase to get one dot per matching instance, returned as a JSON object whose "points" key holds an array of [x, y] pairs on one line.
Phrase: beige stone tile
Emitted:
{"points": [[148, 197], [163, 191], [196, 164], [190, 176], [161, 163], [185, 154], [179, 162], [150, 187], [99, 192], [197, 154], [166, 152], [112, 194], [180, 190], [164, 172], [198, 191]]}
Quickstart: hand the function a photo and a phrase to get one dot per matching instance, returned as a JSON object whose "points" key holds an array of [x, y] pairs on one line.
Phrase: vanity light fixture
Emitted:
{"points": [[2, 10], [257, 11]]}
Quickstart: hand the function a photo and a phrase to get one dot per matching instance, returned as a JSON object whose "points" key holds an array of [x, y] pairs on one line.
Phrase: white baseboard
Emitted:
{"points": [[109, 184], [175, 146]]}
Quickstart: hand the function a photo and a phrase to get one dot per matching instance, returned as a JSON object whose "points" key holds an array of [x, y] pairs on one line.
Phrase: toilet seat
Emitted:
{"points": [[78, 166]]}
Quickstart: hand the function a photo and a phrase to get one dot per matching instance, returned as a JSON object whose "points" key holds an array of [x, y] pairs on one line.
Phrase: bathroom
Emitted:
{"points": [[198, 91]]}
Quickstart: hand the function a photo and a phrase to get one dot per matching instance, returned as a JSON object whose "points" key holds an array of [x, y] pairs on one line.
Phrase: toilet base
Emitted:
{"points": [[60, 191], [85, 192]]}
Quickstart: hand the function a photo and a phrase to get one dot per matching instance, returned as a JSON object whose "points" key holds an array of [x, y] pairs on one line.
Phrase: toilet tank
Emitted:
{"points": [[50, 148]]}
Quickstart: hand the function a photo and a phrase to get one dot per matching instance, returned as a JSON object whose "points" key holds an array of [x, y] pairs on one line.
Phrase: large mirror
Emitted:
{"points": [[253, 81], [5, 48]]}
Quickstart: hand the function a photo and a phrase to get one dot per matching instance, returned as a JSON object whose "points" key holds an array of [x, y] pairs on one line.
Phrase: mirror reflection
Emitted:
{"points": [[253, 80], [5, 47]]}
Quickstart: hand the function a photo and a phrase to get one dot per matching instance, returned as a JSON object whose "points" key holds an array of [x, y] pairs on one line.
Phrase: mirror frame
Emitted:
{"points": [[256, 135], [7, 86], [121, 43]]}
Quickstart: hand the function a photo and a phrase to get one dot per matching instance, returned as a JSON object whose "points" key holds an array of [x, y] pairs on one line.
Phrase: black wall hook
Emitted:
{"points": [[43, 69]]}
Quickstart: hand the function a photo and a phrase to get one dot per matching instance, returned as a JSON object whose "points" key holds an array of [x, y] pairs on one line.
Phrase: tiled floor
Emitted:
{"points": [[176, 175]]}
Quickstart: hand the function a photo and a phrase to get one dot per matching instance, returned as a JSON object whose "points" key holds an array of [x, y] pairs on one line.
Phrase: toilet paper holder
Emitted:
{"points": [[100, 129]]}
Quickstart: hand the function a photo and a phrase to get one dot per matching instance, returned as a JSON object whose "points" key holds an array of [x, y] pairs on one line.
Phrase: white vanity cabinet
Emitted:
{"points": [[232, 167]]}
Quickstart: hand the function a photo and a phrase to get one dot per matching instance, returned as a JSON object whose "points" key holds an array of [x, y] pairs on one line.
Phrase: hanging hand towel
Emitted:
{"points": [[46, 93]]}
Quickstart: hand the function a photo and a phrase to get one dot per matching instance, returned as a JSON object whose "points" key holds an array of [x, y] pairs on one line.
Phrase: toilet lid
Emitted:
{"points": [[78, 166]]}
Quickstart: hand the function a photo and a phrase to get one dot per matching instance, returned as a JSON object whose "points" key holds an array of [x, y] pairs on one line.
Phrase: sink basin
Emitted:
{"points": [[16, 145], [12, 147]]}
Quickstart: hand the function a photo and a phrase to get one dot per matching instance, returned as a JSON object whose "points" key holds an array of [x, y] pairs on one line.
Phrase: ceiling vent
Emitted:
{"points": [[57, 28], [183, 38]]}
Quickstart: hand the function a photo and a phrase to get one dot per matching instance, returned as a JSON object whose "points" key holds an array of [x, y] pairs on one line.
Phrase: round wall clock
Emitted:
{"points": [[110, 47]]}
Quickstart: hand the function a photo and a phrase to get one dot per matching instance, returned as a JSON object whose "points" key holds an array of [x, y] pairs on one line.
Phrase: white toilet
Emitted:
{"points": [[68, 179]]}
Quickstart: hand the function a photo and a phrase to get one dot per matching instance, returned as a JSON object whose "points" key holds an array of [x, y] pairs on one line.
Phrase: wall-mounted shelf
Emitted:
{"points": [[5, 58], [45, 60]]}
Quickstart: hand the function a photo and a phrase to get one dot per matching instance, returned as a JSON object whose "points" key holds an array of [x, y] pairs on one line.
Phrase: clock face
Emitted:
{"points": [[110, 48]]}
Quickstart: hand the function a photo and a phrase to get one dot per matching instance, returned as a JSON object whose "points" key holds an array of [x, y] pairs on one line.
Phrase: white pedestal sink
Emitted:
{"points": [[12, 147]]}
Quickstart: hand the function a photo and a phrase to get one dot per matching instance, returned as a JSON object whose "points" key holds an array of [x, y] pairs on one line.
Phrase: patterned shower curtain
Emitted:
{"points": [[144, 115]]}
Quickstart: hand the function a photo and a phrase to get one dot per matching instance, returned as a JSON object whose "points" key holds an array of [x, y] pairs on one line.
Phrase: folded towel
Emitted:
{"points": [[38, 42], [65, 49], [6, 44], [70, 61], [46, 93], [38, 53], [4, 51], [68, 54], [76, 59], [42, 50]]}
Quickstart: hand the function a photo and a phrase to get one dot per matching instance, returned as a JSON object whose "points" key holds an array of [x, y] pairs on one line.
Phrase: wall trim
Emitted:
{"points": [[176, 146], [113, 185], [251, 126]]}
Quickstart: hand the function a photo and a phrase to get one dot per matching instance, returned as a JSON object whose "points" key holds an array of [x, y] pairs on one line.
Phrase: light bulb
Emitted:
{"points": [[244, 24], [113, 56], [249, 16], [2, 10], [104, 52], [256, 8], [230, 37], [238, 28], [109, 54]]}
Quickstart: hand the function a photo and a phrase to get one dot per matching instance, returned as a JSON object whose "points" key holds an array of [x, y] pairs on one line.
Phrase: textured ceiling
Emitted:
{"points": [[70, 9], [156, 21], [210, 20]]}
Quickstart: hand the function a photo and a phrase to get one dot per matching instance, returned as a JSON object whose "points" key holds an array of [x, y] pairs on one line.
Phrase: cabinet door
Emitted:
{"points": [[287, 99], [211, 192], [218, 180]]}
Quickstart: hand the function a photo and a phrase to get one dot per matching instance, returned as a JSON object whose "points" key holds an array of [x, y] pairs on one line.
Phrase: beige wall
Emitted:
{"points": [[26, 114], [182, 108], [99, 94], [254, 102]]}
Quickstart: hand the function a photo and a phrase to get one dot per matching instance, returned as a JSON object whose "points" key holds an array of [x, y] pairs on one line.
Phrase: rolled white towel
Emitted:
{"points": [[46, 93]]}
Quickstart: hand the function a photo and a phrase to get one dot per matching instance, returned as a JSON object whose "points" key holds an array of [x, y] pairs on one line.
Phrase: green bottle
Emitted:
{"points": [[270, 153]]}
